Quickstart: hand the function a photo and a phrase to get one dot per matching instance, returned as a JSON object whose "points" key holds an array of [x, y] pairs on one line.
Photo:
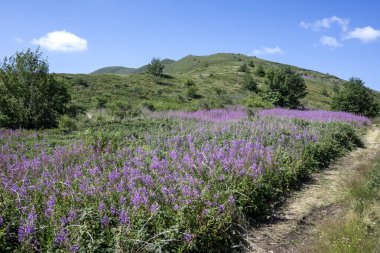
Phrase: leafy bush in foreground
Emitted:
{"points": [[30, 97]]}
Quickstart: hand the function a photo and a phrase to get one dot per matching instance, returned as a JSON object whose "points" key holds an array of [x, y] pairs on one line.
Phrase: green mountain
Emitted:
{"points": [[165, 62], [216, 77], [117, 70]]}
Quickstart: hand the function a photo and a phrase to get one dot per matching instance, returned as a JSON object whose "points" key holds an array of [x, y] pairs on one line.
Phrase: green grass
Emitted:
{"points": [[216, 76], [118, 70], [358, 230]]}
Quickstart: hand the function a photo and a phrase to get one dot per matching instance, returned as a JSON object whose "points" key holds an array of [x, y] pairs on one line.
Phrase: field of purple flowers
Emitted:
{"points": [[189, 189]]}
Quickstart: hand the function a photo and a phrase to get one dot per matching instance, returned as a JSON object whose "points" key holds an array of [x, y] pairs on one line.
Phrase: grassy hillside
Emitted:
{"points": [[216, 77], [142, 69], [118, 70]]}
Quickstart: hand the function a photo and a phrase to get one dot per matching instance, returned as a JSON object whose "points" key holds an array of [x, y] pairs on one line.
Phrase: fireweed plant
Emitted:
{"points": [[189, 189]]}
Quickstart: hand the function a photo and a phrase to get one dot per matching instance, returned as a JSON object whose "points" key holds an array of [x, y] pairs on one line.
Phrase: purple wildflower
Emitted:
{"points": [[101, 207], [74, 248], [61, 237], [123, 217], [27, 227], [188, 237], [104, 221]]}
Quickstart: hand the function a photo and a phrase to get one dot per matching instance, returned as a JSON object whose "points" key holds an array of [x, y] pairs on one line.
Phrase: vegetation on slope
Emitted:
{"points": [[357, 229], [117, 70], [216, 77]]}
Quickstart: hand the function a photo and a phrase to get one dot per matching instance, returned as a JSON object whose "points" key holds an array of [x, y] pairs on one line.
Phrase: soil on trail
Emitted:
{"points": [[317, 199]]}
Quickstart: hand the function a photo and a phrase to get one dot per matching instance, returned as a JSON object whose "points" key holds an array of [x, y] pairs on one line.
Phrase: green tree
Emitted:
{"points": [[192, 92], [285, 88], [336, 87], [355, 97], [249, 83], [243, 68], [155, 67], [260, 71], [120, 109], [251, 64], [30, 97]]}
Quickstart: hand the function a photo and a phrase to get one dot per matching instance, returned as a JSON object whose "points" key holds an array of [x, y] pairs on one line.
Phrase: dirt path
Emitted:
{"points": [[317, 199]]}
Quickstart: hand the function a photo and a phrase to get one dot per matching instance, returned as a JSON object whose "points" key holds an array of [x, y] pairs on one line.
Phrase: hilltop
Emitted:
{"points": [[216, 78], [120, 70]]}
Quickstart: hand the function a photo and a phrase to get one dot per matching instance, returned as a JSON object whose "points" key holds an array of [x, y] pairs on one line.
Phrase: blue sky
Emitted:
{"points": [[79, 36]]}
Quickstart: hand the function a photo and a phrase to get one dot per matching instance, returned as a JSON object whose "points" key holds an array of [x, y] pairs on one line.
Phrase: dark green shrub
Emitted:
{"points": [[148, 106], [243, 68], [101, 102], [284, 88], [67, 124], [30, 97], [189, 83], [325, 93], [260, 72], [82, 82], [155, 67], [251, 64], [257, 102], [219, 91], [192, 93], [120, 109], [249, 83], [356, 98]]}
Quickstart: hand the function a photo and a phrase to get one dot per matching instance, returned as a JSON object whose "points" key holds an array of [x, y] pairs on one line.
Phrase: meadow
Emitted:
{"points": [[179, 182]]}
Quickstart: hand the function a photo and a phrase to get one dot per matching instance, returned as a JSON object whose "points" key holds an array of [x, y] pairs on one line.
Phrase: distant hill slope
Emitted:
{"points": [[117, 70], [216, 77]]}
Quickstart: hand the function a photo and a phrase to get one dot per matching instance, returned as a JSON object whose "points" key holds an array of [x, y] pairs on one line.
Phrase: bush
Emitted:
{"points": [[192, 93], [101, 102], [155, 67], [67, 124], [251, 64], [30, 97], [285, 88], [189, 83], [219, 91], [120, 109], [356, 98], [325, 93], [149, 106], [243, 68], [249, 83], [257, 102], [260, 72]]}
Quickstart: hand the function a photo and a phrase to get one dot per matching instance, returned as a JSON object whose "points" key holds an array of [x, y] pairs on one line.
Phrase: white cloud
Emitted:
{"points": [[326, 23], [366, 34], [61, 41], [330, 41], [268, 50]]}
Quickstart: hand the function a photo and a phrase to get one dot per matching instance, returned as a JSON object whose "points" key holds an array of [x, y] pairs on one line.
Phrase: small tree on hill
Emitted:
{"points": [[155, 67], [251, 64], [249, 83], [284, 88], [243, 68], [30, 97], [355, 97], [260, 71], [192, 92]]}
